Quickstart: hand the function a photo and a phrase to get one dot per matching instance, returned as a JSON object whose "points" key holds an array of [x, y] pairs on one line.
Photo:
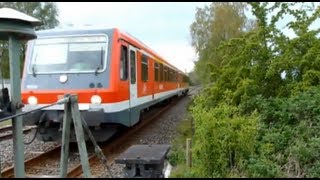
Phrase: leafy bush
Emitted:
{"points": [[260, 115], [223, 139]]}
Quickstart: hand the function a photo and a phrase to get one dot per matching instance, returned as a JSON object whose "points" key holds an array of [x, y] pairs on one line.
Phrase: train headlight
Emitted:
{"points": [[32, 100], [95, 99]]}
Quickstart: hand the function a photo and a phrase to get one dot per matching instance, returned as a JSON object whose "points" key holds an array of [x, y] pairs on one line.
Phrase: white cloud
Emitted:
{"points": [[179, 54]]}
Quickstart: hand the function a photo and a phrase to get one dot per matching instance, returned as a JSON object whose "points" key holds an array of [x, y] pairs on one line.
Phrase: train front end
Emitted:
{"points": [[67, 62]]}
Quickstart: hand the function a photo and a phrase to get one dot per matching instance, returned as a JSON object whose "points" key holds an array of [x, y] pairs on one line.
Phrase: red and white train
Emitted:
{"points": [[115, 76]]}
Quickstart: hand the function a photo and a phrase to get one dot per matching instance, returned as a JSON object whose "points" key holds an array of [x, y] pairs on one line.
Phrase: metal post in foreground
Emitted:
{"points": [[72, 110], [76, 116], [65, 140], [1, 50], [16, 26], [18, 145]]}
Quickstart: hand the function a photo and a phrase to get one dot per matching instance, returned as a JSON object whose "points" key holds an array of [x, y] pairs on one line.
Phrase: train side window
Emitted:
{"points": [[177, 77], [185, 79], [173, 76], [165, 73], [168, 75], [161, 72], [156, 71], [133, 66], [144, 68], [124, 63]]}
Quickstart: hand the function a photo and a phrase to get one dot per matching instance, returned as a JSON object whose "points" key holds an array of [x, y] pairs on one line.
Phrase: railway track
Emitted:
{"points": [[6, 132], [116, 147], [47, 164], [9, 172]]}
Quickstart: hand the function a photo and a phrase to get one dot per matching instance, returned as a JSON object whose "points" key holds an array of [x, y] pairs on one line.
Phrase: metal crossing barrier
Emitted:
{"points": [[71, 113], [15, 27]]}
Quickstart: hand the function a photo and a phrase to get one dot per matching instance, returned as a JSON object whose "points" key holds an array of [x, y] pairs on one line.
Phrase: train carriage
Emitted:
{"points": [[114, 75]]}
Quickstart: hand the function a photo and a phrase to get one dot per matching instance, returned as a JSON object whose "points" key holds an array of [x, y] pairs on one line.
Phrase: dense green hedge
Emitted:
{"points": [[252, 121]]}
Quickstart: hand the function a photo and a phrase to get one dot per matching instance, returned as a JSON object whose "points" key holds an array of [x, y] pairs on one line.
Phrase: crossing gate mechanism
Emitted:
{"points": [[144, 161]]}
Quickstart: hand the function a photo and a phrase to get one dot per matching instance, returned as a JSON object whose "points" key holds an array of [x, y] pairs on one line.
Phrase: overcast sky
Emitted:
{"points": [[163, 26]]}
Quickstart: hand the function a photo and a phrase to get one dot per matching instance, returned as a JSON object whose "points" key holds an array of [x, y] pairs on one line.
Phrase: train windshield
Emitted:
{"points": [[69, 54]]}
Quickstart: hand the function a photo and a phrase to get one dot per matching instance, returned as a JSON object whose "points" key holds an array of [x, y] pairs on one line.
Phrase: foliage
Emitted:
{"points": [[258, 115], [214, 24], [223, 139], [181, 171], [46, 12], [193, 78], [177, 152], [176, 156], [289, 140]]}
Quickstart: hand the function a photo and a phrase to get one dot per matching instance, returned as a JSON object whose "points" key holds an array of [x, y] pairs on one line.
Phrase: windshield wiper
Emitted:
{"points": [[34, 66], [101, 62], [97, 70], [34, 70]]}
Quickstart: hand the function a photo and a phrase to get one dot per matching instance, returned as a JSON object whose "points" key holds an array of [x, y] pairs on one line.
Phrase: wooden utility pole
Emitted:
{"points": [[189, 153]]}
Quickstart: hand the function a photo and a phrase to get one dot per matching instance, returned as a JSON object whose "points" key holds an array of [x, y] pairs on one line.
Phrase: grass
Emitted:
{"points": [[176, 155], [6, 123]]}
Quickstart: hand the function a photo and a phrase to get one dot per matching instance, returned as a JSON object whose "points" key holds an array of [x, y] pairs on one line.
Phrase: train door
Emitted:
{"points": [[134, 111]]}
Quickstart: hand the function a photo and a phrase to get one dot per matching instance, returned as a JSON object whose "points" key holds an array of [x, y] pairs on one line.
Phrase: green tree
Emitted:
{"points": [[194, 80], [46, 12], [213, 25], [261, 122]]}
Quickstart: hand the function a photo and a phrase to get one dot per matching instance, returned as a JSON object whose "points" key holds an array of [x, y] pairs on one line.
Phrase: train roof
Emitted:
{"points": [[73, 30], [96, 29]]}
